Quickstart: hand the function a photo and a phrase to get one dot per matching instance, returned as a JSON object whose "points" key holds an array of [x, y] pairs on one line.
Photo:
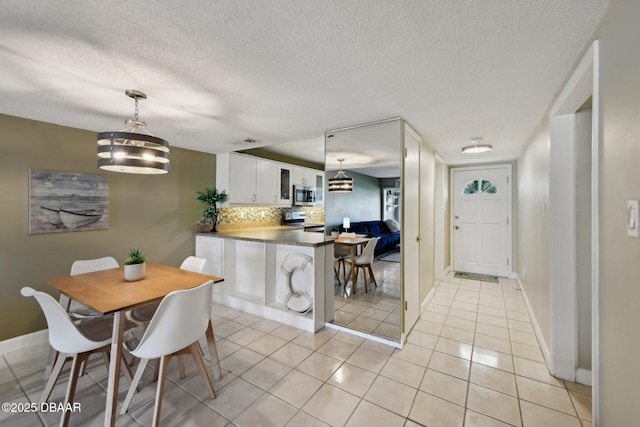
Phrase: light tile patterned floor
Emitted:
{"points": [[376, 312], [471, 360]]}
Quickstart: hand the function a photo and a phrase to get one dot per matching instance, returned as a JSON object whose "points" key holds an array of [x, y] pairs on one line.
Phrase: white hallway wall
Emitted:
{"points": [[619, 181]]}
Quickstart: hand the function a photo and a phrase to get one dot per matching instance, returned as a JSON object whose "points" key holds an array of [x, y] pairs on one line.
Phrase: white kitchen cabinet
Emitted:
{"points": [[211, 249], [285, 183], [242, 174], [266, 182], [253, 181]]}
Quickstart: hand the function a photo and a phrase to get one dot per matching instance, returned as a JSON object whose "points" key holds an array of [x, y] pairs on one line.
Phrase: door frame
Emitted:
{"points": [[441, 203], [583, 83], [410, 288], [509, 203]]}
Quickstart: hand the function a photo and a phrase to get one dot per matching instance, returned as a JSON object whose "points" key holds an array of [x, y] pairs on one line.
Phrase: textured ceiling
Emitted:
{"points": [[278, 71]]}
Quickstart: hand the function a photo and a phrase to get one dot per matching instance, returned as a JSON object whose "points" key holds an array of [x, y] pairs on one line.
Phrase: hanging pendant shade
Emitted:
{"points": [[341, 183], [134, 149]]}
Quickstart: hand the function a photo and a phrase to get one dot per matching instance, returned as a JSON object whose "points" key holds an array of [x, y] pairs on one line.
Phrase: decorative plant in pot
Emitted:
{"points": [[212, 197], [134, 265]]}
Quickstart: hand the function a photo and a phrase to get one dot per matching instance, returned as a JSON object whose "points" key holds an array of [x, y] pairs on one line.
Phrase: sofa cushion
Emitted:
{"points": [[392, 225]]}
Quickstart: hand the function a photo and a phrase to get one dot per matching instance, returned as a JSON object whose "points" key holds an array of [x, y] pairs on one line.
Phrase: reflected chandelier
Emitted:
{"points": [[133, 149], [340, 183]]}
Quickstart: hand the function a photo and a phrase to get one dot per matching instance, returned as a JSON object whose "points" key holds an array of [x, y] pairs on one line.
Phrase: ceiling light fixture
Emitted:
{"points": [[476, 147], [133, 149], [340, 183]]}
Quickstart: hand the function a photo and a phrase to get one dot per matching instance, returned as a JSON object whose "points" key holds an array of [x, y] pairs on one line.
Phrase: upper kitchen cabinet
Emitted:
{"points": [[252, 181], [311, 178]]}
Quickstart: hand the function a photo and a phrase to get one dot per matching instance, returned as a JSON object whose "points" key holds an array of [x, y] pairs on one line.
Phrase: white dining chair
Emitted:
{"points": [[340, 257], [364, 260], [180, 320], [76, 309], [73, 341], [144, 314]]}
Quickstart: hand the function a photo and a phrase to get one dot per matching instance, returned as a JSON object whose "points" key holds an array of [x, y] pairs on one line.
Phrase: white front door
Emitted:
{"points": [[482, 220]]}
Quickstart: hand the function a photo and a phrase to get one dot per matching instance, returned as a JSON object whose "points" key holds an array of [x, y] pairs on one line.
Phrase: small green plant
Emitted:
{"points": [[135, 256], [211, 197]]}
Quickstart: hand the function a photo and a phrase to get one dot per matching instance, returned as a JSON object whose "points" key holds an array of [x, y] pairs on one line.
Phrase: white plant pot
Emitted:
{"points": [[334, 234], [134, 272]]}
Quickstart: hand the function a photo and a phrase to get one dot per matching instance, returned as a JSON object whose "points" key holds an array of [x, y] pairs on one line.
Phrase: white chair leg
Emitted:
{"points": [[134, 385], [53, 377], [164, 361]]}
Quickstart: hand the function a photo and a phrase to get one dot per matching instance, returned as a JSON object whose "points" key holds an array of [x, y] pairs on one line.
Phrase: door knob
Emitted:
{"points": [[456, 227], [418, 239]]}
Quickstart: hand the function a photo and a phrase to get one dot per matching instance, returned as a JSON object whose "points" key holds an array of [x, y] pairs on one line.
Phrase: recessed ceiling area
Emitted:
{"points": [[283, 71]]}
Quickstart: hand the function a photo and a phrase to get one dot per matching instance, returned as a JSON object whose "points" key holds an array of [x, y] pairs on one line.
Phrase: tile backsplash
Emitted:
{"points": [[248, 217]]}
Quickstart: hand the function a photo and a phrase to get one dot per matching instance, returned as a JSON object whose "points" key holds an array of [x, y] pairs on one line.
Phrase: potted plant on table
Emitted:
{"points": [[212, 197], [134, 265]]}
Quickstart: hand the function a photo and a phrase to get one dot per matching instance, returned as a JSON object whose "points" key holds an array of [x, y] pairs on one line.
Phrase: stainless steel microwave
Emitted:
{"points": [[304, 196]]}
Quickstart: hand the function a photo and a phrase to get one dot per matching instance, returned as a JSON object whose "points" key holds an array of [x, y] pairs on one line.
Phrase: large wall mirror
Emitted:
{"points": [[371, 156]]}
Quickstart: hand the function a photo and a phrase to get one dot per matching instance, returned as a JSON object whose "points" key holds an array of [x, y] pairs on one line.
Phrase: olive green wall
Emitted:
{"points": [[156, 213]]}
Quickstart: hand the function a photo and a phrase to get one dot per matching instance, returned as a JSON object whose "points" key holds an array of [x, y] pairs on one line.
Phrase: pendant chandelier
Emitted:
{"points": [[133, 149], [341, 183], [476, 147]]}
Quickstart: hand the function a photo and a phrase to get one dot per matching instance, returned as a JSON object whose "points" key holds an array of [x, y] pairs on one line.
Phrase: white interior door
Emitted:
{"points": [[411, 228], [482, 220]]}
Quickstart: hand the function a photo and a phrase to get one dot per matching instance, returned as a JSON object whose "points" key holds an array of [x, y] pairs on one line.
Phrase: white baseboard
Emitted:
{"points": [[546, 353], [583, 376], [22, 341], [427, 300]]}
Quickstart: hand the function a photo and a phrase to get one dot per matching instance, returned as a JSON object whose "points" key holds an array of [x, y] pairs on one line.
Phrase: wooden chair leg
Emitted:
{"points": [[183, 372], [336, 270], [213, 351], [364, 276], [373, 278], [79, 361], [197, 357]]}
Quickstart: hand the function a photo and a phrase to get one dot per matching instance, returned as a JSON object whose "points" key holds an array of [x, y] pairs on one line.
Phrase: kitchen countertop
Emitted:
{"points": [[279, 234]]}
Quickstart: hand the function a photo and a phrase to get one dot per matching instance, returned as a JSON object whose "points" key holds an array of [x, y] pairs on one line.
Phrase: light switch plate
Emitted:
{"points": [[633, 218]]}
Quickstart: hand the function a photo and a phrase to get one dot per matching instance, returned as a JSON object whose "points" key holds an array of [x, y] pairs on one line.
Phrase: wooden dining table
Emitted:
{"points": [[352, 243], [109, 293]]}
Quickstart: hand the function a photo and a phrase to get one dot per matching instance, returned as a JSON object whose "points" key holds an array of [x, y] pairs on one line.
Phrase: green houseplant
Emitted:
{"points": [[134, 265], [212, 197]]}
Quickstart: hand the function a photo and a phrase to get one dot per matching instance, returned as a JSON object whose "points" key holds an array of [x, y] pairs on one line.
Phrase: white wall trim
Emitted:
{"points": [[562, 246], [584, 82], [584, 376], [367, 336], [447, 271], [534, 322], [427, 300], [22, 341]]}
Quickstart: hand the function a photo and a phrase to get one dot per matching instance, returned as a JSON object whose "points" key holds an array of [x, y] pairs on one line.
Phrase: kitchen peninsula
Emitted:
{"points": [[272, 272]]}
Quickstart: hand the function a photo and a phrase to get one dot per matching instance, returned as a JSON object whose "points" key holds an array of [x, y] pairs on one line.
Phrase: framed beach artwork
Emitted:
{"points": [[67, 201]]}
